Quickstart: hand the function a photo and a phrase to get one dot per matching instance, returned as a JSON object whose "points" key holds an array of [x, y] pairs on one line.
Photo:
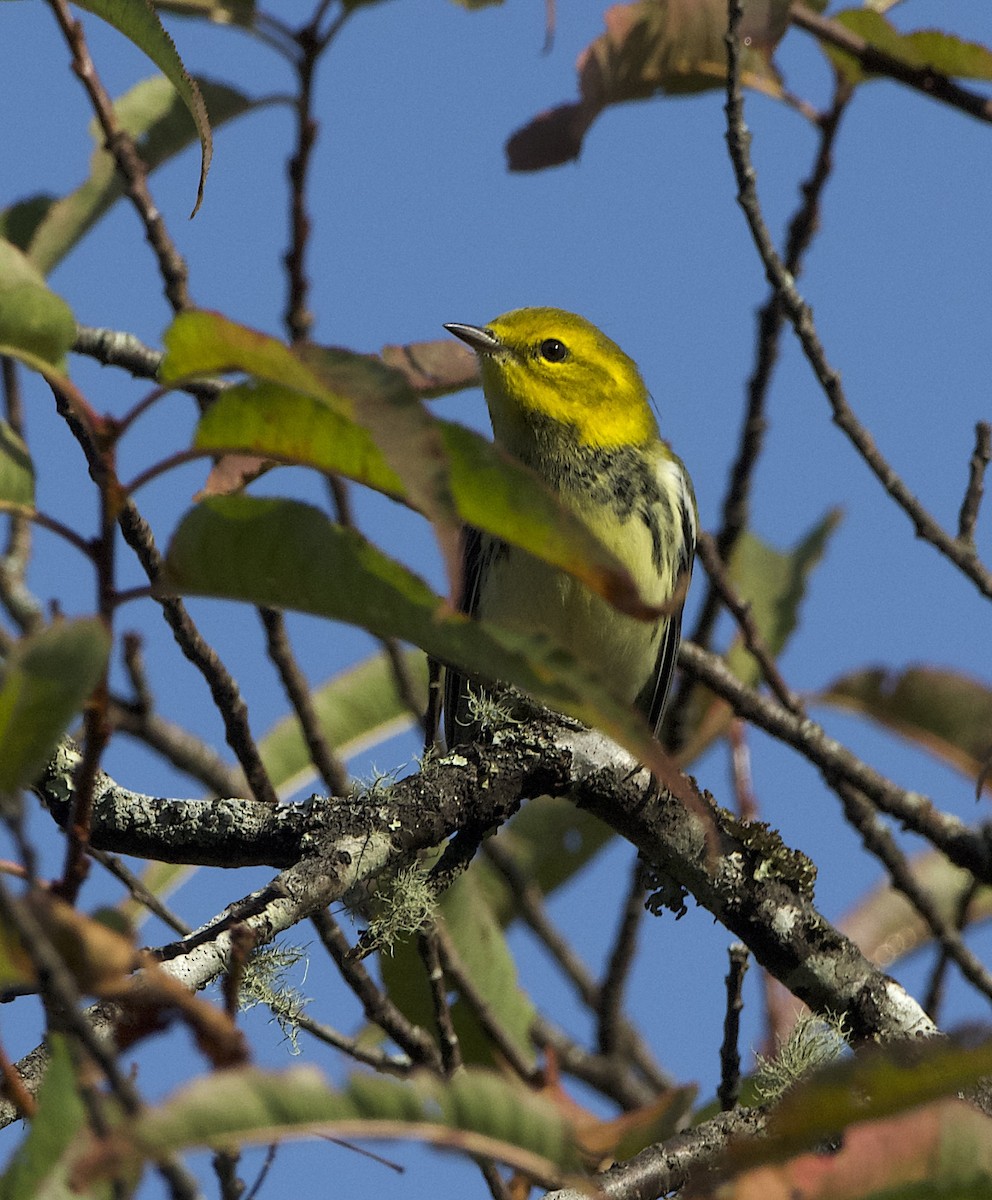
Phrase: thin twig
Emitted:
{"points": [[132, 168], [140, 892], [484, 1013], [876, 61], [972, 501], [332, 769], [935, 988], [963, 845], [741, 612], [621, 960], [22, 606], [379, 1009], [730, 1056], [451, 1051], [963, 556]]}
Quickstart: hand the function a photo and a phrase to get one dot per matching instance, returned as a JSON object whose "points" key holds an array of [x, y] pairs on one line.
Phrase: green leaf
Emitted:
{"points": [[652, 47], [34, 322], [943, 711], [289, 555], [45, 681], [16, 469], [39, 1166], [337, 421], [478, 1112], [924, 48], [47, 229], [139, 23], [481, 946]]}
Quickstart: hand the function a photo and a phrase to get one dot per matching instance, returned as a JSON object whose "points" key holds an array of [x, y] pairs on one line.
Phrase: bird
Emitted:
{"points": [[565, 400]]}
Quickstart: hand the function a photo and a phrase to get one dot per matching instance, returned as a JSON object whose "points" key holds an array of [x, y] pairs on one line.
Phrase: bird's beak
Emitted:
{"points": [[482, 341]]}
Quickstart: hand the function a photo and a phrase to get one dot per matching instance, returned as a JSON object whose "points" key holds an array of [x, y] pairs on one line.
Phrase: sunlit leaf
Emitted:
{"points": [[478, 1112], [289, 555], [923, 48], [139, 23], [33, 320], [45, 681], [39, 1167], [433, 368], [47, 228], [653, 47], [943, 711]]}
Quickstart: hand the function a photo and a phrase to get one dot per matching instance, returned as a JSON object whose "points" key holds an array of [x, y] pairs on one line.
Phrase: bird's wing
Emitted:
{"points": [[654, 697]]}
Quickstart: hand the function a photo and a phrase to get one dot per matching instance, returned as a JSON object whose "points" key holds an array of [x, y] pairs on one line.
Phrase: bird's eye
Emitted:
{"points": [[553, 351]]}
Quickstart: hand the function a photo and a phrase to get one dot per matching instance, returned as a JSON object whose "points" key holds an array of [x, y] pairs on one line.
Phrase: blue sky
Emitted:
{"points": [[417, 222]]}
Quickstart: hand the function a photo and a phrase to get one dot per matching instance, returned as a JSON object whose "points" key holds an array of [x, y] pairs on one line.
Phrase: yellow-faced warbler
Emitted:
{"points": [[569, 403]]}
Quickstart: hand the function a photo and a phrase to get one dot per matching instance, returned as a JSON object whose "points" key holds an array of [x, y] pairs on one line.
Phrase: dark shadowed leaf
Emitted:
{"points": [[45, 681], [652, 47], [945, 712], [140, 24], [34, 322]]}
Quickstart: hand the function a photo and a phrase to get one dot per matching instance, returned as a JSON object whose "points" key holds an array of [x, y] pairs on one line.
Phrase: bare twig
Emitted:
{"points": [[963, 556], [611, 990], [730, 1057], [412, 1039], [23, 607], [802, 228], [129, 162], [451, 1051], [930, 82], [332, 770], [972, 501]]}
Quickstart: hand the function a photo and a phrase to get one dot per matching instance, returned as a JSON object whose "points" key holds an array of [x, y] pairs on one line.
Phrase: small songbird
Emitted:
{"points": [[567, 401]]}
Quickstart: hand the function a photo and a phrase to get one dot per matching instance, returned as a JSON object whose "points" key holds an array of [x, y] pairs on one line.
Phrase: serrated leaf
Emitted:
{"points": [[34, 322], [886, 926], [653, 47], [482, 950], [478, 1112], [295, 415], [39, 1167], [139, 23], [943, 711], [289, 555], [47, 228], [46, 679]]}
